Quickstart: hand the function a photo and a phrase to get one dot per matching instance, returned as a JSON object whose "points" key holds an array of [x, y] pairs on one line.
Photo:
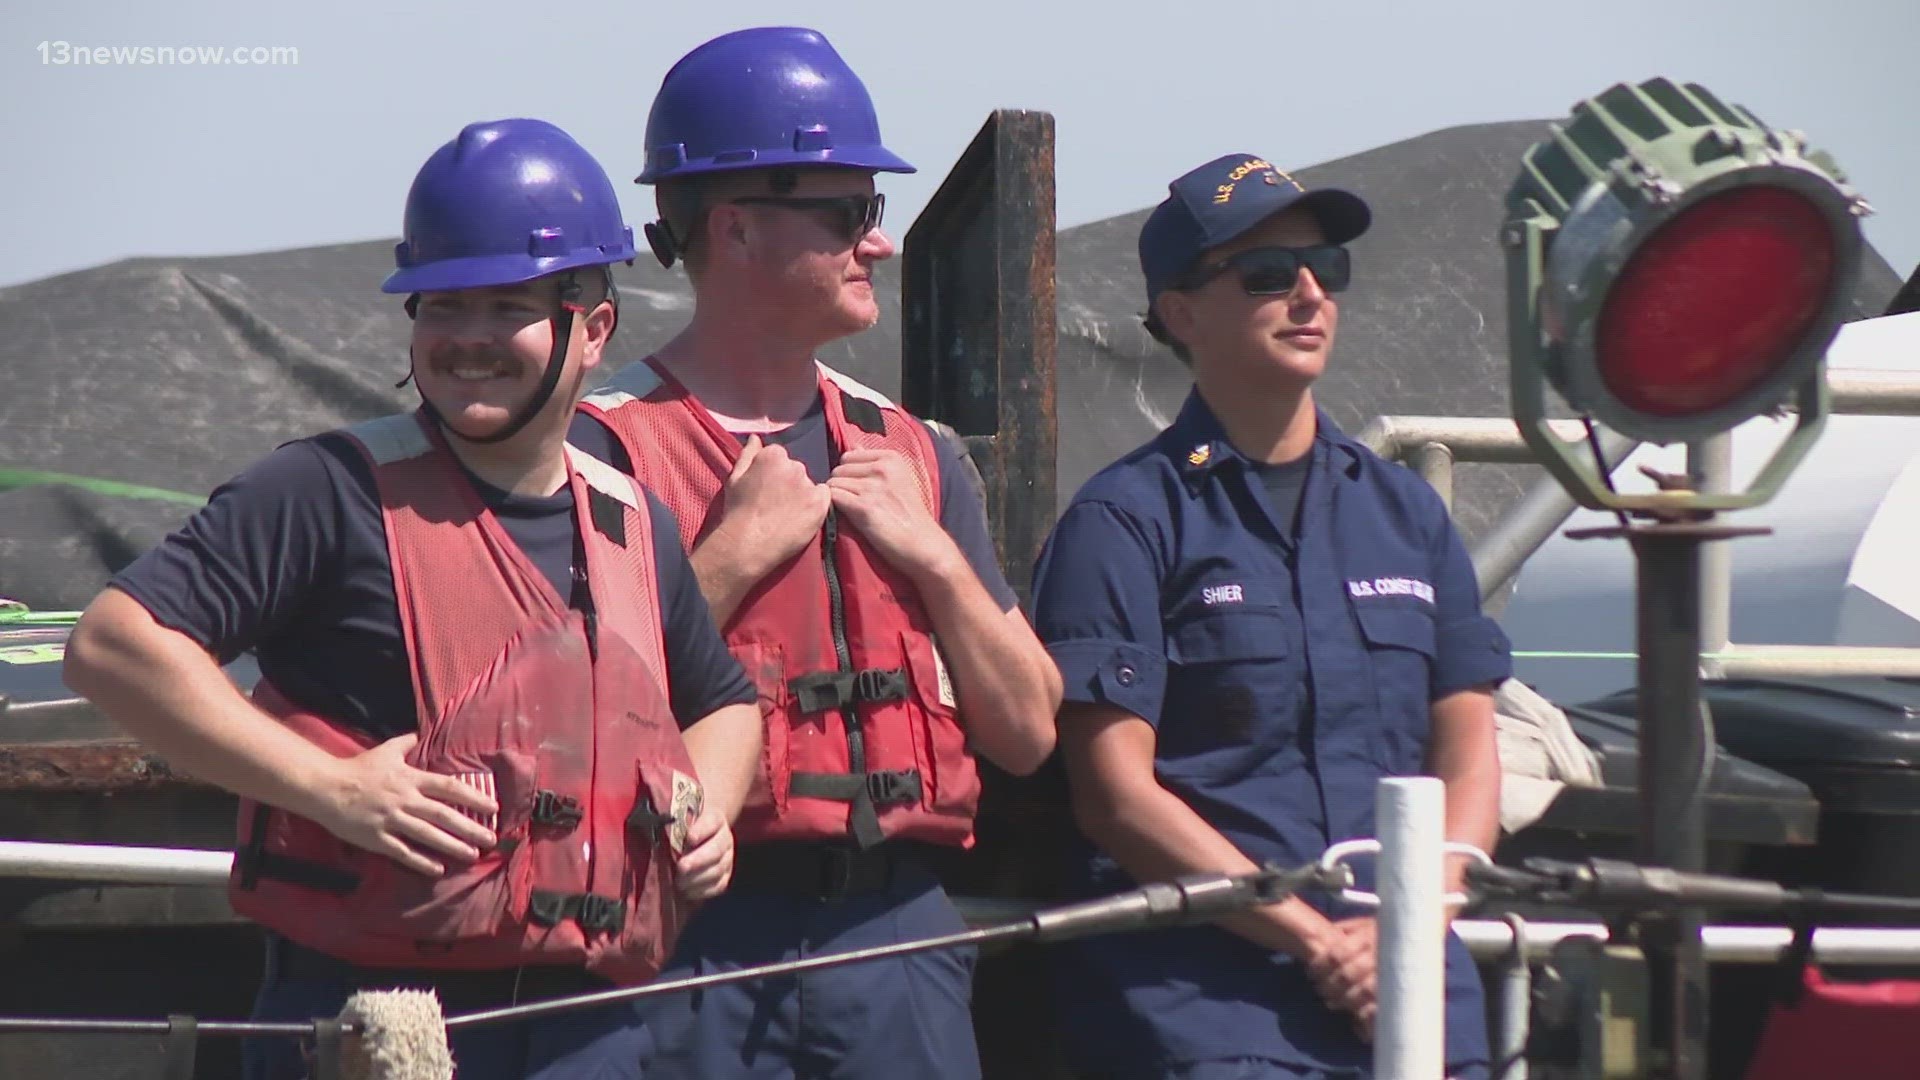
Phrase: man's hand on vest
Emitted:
{"points": [[772, 509], [376, 801], [877, 492], [706, 869]]}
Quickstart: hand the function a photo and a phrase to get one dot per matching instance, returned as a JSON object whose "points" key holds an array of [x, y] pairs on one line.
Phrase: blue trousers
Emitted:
{"points": [[607, 1043], [904, 1017]]}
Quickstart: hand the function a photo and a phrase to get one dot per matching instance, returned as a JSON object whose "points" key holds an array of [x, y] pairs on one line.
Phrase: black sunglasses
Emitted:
{"points": [[852, 216], [1272, 271]]}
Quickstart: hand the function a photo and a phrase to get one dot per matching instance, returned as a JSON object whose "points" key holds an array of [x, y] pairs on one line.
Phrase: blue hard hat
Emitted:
{"points": [[761, 98], [505, 202]]}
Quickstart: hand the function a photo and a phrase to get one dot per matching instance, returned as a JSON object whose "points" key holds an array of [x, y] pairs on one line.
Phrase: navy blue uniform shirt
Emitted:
{"points": [[1285, 667], [805, 440], [289, 560]]}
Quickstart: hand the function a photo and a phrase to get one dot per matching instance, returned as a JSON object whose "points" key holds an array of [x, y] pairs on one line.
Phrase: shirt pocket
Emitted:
{"points": [[1400, 648], [1233, 688]]}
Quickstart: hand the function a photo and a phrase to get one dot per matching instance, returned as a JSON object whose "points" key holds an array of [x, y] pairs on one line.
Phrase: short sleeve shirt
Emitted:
{"points": [[1286, 666], [289, 560]]}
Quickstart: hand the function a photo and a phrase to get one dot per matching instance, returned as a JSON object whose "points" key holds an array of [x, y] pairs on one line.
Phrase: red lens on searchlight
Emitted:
{"points": [[1715, 301]]}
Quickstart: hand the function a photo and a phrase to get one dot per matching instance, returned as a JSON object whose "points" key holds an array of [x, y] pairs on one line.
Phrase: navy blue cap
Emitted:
{"points": [[1224, 198]]}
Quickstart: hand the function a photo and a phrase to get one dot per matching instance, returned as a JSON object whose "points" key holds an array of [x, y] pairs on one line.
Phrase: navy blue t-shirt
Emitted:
{"points": [[805, 440], [1286, 485], [289, 560]]}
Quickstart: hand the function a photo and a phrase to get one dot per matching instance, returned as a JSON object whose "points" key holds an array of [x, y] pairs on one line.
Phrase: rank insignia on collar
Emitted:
{"points": [[1200, 454]]}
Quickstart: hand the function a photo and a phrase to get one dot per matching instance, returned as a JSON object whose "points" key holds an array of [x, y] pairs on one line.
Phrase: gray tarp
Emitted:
{"points": [[175, 373]]}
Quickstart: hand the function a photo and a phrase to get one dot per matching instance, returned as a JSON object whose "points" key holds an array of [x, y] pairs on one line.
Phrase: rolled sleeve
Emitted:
{"points": [[1097, 609], [1470, 649], [1472, 652], [1117, 673]]}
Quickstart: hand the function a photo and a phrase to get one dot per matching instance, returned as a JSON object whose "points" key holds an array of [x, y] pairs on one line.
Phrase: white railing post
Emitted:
{"points": [[1410, 1031], [1515, 1007]]}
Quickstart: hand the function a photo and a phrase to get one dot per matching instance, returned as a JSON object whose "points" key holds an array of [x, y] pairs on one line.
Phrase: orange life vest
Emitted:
{"points": [[862, 736], [561, 714]]}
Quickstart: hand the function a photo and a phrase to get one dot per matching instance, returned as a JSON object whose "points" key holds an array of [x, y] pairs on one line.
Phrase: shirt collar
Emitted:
{"points": [[1199, 445]]}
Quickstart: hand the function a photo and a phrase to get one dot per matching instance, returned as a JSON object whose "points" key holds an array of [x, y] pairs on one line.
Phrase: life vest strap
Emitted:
{"points": [[590, 910], [819, 691], [884, 788]]}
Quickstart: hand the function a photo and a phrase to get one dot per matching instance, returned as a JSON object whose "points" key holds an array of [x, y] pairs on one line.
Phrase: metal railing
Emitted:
{"points": [[109, 864], [1410, 902], [1432, 445]]}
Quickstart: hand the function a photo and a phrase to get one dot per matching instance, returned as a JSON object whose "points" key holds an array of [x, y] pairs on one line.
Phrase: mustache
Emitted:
{"points": [[449, 356]]}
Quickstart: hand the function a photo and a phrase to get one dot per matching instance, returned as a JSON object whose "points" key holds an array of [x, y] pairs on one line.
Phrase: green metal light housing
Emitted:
{"points": [[1674, 268]]}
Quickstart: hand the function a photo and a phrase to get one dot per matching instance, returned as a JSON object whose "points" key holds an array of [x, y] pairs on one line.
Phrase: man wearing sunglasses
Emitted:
{"points": [[845, 554], [1256, 619]]}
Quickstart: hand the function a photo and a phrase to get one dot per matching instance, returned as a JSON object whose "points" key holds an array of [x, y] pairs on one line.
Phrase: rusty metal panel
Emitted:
{"points": [[977, 353], [977, 338], [102, 767]]}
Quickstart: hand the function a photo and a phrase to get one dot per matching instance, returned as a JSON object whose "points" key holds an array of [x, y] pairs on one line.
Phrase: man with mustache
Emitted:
{"points": [[846, 556], [1256, 619], [496, 744]]}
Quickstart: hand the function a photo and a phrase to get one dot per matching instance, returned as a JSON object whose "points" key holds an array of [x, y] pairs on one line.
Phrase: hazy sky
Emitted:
{"points": [[127, 159]]}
